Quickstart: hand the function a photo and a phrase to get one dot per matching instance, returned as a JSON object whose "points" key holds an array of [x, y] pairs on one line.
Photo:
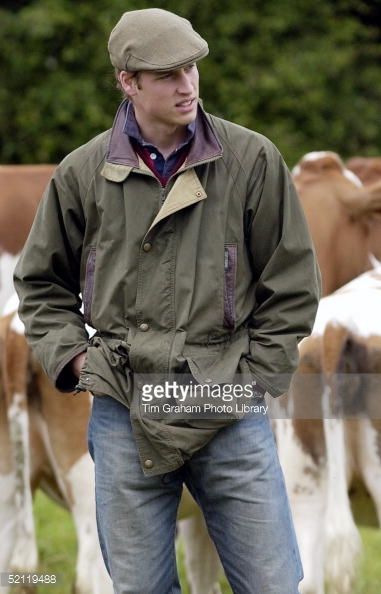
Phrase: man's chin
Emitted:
{"points": [[187, 118]]}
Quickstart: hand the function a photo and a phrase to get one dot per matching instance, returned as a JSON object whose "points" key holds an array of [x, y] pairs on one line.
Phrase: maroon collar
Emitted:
{"points": [[205, 146]]}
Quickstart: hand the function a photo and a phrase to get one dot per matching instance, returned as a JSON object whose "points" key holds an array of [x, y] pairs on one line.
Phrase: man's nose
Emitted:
{"points": [[185, 84]]}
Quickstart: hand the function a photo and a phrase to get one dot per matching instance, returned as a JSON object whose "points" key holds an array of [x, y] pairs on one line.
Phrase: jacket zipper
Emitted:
{"points": [[163, 194]]}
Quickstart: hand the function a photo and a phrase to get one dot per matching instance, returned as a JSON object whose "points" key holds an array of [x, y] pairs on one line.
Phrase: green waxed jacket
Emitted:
{"points": [[213, 274]]}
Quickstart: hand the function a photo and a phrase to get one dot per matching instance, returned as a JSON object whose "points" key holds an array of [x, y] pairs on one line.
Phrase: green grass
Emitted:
{"points": [[369, 579], [57, 546]]}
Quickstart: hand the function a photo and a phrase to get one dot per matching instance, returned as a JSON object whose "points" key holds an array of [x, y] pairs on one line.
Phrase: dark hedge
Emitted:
{"points": [[304, 73]]}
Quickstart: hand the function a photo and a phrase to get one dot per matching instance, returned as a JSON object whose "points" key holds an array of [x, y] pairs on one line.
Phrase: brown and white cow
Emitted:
{"points": [[338, 210], [333, 431]]}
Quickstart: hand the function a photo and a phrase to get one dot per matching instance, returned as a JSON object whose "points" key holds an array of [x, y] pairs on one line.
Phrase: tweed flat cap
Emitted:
{"points": [[154, 39]]}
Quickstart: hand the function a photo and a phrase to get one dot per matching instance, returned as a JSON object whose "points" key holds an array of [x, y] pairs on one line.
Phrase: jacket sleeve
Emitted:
{"points": [[47, 279], [285, 270]]}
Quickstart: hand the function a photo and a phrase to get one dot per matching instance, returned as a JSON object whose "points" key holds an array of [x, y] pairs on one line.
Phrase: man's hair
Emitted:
{"points": [[119, 86]]}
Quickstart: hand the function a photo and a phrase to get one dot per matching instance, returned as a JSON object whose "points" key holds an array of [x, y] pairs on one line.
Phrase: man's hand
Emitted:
{"points": [[77, 363]]}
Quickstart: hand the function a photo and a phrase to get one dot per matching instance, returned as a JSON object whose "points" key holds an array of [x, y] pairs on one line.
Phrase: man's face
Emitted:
{"points": [[166, 98]]}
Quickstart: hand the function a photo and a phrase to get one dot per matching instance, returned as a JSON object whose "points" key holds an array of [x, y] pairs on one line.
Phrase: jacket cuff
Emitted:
{"points": [[65, 379]]}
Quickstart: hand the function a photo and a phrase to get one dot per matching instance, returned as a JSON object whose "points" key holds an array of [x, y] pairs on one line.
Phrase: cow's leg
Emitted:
{"points": [[369, 456], [8, 522], [15, 370], [77, 487], [343, 543], [200, 556], [7, 518], [24, 557], [305, 478]]}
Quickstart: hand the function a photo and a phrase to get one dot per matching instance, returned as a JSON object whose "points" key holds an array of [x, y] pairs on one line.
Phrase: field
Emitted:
{"points": [[57, 546]]}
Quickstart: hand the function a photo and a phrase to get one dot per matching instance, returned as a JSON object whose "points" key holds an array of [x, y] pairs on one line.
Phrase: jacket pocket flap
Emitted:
{"points": [[219, 368]]}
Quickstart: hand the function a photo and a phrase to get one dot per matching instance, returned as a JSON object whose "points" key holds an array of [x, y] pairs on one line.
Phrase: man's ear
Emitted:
{"points": [[128, 82]]}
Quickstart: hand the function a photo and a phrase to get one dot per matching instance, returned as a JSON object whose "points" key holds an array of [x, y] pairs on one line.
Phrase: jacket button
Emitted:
{"points": [[148, 464], [199, 194], [147, 246], [144, 327]]}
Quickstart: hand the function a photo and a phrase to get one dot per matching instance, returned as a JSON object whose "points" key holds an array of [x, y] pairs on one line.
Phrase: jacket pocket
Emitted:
{"points": [[89, 285], [230, 271]]}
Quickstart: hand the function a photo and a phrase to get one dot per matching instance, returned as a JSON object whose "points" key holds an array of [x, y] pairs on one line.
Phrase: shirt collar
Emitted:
{"points": [[132, 129]]}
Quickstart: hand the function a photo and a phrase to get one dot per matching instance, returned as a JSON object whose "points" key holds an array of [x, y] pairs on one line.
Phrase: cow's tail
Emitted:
{"points": [[342, 539], [14, 372]]}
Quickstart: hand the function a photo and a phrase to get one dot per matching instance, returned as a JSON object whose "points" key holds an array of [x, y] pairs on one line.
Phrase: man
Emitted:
{"points": [[184, 235]]}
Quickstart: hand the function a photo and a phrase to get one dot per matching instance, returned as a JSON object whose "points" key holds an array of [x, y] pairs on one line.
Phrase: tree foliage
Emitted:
{"points": [[304, 73]]}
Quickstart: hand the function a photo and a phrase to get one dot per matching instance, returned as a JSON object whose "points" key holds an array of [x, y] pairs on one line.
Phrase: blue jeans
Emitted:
{"points": [[238, 483]]}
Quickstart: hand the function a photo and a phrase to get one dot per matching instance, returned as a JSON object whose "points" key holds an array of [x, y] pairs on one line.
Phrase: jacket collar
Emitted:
{"points": [[121, 157]]}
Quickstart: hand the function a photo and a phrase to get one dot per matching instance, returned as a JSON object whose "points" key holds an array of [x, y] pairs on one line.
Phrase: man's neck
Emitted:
{"points": [[165, 138]]}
